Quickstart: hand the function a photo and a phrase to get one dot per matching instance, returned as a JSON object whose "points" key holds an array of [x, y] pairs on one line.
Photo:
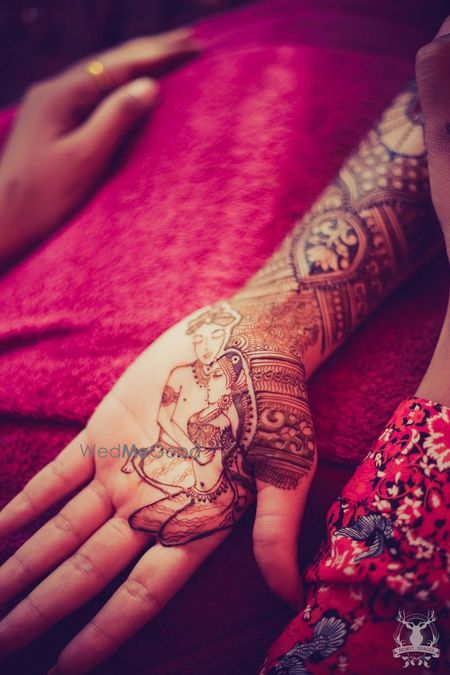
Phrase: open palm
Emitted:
{"points": [[208, 416]]}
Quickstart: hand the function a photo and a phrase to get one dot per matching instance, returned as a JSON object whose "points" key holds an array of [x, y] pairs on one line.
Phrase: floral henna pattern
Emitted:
{"points": [[274, 340], [370, 228], [333, 245], [241, 400], [384, 195]]}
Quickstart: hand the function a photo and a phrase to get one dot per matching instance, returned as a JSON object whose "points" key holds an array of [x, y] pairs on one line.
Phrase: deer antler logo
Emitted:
{"points": [[419, 648]]}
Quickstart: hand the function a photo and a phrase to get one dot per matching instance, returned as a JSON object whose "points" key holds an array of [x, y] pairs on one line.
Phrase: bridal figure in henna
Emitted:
{"points": [[197, 460], [222, 484]]}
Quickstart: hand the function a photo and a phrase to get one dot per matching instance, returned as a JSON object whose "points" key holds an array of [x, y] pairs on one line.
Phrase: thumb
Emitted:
{"points": [[112, 119], [279, 513], [433, 81]]}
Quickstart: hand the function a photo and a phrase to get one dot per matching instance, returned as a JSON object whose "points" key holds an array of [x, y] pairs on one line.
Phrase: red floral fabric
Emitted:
{"points": [[386, 558]]}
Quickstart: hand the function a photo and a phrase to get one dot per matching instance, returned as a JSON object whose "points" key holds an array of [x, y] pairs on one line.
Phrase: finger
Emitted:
{"points": [[276, 530], [146, 55], [433, 77], [57, 539], [99, 136], [75, 581], [155, 579], [68, 471], [141, 56]]}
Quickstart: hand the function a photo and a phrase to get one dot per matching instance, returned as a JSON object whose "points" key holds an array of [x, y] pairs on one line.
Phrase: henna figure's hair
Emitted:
{"points": [[219, 315]]}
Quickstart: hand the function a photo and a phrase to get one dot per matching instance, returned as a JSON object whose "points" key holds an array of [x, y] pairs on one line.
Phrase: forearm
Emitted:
{"points": [[435, 385], [365, 234]]}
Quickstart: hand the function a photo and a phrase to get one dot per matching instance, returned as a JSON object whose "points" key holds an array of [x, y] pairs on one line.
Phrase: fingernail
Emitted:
{"points": [[187, 41], [182, 33], [144, 89]]}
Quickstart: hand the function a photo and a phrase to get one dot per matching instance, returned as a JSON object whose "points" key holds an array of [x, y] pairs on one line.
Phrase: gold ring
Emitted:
{"points": [[97, 69]]}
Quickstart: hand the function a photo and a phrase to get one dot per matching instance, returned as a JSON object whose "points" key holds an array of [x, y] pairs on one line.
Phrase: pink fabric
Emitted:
{"points": [[246, 137]]}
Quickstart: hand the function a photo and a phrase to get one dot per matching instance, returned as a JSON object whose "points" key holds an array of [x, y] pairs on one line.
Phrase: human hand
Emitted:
{"points": [[433, 80], [433, 73], [219, 403], [246, 414], [69, 127]]}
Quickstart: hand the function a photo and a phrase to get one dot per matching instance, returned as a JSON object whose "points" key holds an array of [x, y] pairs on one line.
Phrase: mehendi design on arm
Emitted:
{"points": [[368, 231], [242, 402], [378, 223]]}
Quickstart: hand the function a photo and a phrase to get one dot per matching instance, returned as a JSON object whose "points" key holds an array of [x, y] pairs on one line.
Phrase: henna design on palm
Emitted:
{"points": [[242, 402]]}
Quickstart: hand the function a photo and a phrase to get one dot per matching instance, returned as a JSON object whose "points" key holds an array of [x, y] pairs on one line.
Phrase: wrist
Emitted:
{"points": [[26, 214]]}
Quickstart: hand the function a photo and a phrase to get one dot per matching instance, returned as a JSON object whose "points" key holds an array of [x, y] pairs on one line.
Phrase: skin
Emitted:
{"points": [[183, 394], [355, 245], [67, 131], [433, 74]]}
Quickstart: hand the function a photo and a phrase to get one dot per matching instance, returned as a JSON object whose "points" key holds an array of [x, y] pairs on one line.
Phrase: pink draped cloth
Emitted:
{"points": [[245, 138]]}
